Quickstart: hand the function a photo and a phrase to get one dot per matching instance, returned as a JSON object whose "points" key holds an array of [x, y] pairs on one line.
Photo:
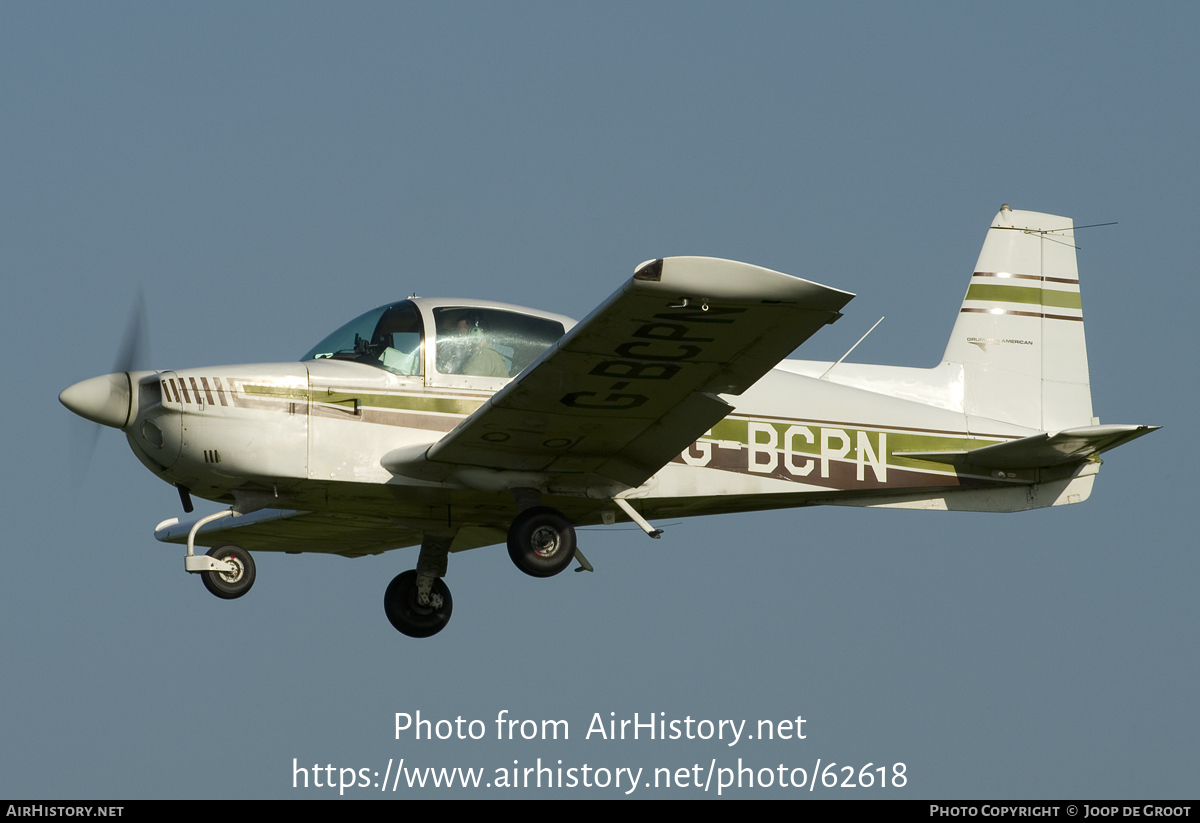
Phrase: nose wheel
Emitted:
{"points": [[417, 610], [229, 585], [541, 541]]}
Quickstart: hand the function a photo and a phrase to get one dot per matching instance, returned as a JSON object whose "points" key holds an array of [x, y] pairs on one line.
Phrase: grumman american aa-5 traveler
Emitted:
{"points": [[457, 424]]}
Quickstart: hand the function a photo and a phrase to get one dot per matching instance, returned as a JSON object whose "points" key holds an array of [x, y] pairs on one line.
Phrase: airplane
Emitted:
{"points": [[458, 424]]}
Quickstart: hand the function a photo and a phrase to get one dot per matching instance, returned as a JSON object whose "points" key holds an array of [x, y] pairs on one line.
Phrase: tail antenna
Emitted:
{"points": [[852, 348]]}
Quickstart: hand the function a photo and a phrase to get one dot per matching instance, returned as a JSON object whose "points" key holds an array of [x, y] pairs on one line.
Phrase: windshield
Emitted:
{"points": [[388, 337]]}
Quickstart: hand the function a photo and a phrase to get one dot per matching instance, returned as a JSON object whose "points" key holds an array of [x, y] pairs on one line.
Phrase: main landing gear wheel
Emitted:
{"points": [[230, 585], [405, 612], [541, 541]]}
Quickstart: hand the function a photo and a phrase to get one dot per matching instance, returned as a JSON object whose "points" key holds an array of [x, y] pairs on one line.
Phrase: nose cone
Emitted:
{"points": [[104, 399]]}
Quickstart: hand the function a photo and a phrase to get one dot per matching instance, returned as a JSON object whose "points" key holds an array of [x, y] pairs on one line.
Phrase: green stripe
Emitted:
{"points": [[277, 391], [1024, 294], [441, 405], [737, 430]]}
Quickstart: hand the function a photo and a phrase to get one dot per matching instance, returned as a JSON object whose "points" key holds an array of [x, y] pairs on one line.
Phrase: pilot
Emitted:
{"points": [[396, 343], [479, 359]]}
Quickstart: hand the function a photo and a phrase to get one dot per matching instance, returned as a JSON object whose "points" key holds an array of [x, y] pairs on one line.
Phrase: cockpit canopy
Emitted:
{"points": [[482, 340]]}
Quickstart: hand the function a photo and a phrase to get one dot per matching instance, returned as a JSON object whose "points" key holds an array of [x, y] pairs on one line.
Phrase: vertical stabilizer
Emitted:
{"points": [[1019, 334]]}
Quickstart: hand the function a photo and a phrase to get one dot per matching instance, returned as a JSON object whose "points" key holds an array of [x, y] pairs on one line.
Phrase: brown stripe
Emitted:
{"points": [[414, 392], [207, 391], [1025, 277], [1008, 275], [999, 312], [183, 388], [1021, 313], [435, 392], [167, 391], [195, 390], [367, 414], [220, 390], [868, 426], [446, 422], [843, 474], [442, 422], [266, 404]]}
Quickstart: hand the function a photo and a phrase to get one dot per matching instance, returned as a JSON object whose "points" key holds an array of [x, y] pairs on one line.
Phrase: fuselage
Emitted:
{"points": [[455, 424], [310, 435]]}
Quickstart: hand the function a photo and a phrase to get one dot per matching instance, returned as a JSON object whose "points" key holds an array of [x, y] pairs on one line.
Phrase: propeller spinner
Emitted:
{"points": [[108, 399]]}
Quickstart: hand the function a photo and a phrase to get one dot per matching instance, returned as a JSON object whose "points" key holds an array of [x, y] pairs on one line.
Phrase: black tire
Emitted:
{"points": [[541, 541], [409, 617], [225, 585]]}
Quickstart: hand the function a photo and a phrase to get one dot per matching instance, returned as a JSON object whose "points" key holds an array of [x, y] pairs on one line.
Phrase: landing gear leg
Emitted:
{"points": [[418, 602], [228, 570]]}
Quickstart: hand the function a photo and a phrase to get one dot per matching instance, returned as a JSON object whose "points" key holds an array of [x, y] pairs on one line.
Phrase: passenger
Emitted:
{"points": [[479, 359]]}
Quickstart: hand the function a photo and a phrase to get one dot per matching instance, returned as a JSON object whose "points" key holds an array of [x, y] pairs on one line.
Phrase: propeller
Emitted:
{"points": [[134, 354], [100, 399]]}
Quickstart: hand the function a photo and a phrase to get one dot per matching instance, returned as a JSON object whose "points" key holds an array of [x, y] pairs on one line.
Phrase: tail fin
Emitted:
{"points": [[1019, 334]]}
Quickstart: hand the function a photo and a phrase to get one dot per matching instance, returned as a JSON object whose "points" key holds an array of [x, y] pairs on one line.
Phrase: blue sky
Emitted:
{"points": [[266, 172]]}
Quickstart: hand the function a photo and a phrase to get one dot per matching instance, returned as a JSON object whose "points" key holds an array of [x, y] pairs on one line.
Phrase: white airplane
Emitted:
{"points": [[456, 424]]}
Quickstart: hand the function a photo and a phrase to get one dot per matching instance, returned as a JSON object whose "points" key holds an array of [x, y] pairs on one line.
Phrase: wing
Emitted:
{"points": [[349, 535], [634, 383]]}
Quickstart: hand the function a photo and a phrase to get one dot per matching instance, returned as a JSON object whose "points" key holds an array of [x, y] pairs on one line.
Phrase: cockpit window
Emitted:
{"points": [[490, 342], [388, 337]]}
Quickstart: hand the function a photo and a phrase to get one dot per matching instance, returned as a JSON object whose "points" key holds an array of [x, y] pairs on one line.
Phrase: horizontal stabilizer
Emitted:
{"points": [[1041, 451]]}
